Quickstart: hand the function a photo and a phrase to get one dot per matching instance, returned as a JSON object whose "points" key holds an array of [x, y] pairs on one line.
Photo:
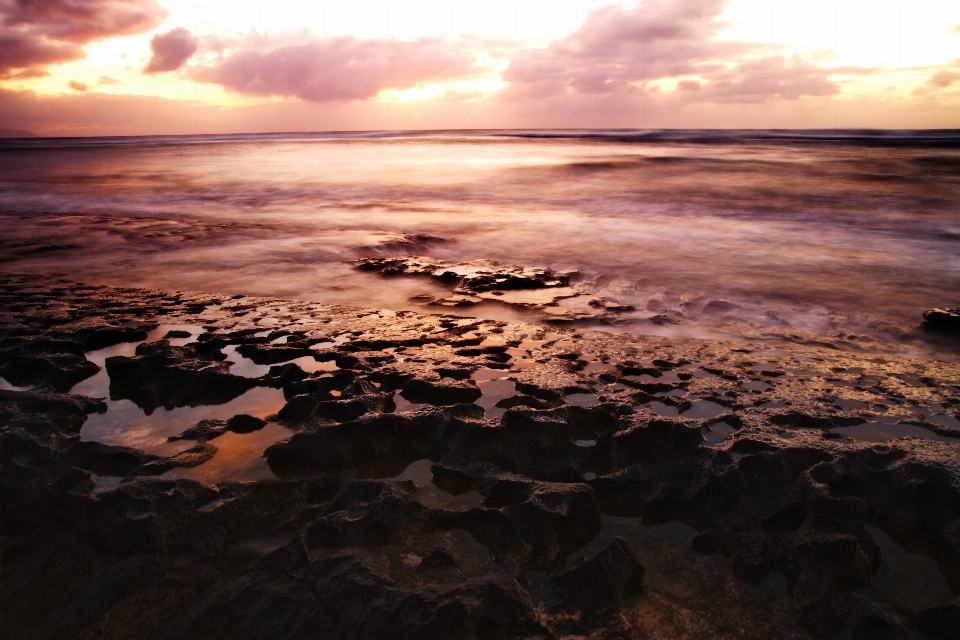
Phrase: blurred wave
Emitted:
{"points": [[846, 235]]}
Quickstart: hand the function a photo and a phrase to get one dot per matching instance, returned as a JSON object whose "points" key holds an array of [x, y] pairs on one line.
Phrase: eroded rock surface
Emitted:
{"points": [[449, 477]]}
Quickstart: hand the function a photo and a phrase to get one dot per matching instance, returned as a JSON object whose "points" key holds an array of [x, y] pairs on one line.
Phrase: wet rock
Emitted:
{"points": [[940, 623], [477, 546], [490, 606], [603, 582], [945, 320], [347, 409], [474, 276], [106, 460], [455, 373], [298, 408], [474, 282], [438, 558], [523, 401], [407, 244], [44, 344], [553, 397], [94, 338], [536, 444], [282, 375], [210, 429], [202, 431], [647, 442], [58, 371], [540, 522], [34, 427], [705, 543], [750, 565], [161, 375], [377, 444], [273, 353], [368, 513], [797, 420], [720, 307], [192, 457], [242, 423], [390, 379], [440, 393]]}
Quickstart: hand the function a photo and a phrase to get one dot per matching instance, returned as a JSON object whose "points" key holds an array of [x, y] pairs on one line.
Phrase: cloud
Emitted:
{"points": [[332, 69], [616, 51], [171, 50], [97, 113], [616, 48], [770, 77], [943, 78], [625, 51], [25, 74], [34, 33], [76, 85]]}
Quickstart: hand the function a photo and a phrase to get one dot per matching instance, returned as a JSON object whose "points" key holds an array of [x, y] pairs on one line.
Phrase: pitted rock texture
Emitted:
{"points": [[461, 478]]}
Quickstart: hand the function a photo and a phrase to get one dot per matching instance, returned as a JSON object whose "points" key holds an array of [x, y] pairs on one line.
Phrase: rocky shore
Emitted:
{"points": [[300, 470]]}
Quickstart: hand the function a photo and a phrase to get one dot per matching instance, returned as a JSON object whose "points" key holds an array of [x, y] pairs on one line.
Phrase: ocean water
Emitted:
{"points": [[842, 236]]}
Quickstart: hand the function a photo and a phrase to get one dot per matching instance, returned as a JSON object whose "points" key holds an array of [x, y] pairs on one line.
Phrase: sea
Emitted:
{"points": [[839, 237]]}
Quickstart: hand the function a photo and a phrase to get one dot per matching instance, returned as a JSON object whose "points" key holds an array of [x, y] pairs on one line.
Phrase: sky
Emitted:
{"points": [[144, 67]]}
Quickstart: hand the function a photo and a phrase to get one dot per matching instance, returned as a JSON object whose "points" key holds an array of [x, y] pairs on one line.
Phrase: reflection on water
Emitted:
{"points": [[98, 385], [125, 424], [485, 373], [432, 496], [402, 404], [718, 432], [583, 399], [704, 236], [6, 386], [493, 392], [877, 431], [239, 457], [311, 365], [704, 409], [243, 366]]}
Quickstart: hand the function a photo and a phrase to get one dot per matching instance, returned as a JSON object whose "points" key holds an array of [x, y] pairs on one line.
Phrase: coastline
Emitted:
{"points": [[479, 478]]}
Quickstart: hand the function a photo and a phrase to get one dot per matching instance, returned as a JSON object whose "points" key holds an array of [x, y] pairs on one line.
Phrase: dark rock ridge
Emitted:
{"points": [[946, 320], [449, 520], [552, 293], [160, 375], [210, 429]]}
